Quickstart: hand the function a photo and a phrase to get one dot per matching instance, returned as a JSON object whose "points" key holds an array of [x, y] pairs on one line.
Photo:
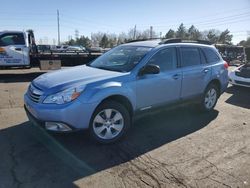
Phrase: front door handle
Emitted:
{"points": [[206, 70], [176, 76], [18, 49]]}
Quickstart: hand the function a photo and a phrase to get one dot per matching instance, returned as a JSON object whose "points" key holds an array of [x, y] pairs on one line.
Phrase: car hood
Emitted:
{"points": [[65, 78]]}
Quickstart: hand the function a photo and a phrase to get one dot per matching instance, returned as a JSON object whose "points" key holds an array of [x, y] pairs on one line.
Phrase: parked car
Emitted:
{"points": [[45, 48], [240, 76], [106, 49], [75, 49], [233, 54], [95, 50], [61, 48], [105, 95]]}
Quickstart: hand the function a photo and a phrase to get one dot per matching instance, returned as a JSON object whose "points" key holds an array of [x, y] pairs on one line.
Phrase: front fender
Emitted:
{"points": [[99, 93]]}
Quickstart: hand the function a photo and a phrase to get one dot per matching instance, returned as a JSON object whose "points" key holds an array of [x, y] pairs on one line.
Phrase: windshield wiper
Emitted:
{"points": [[110, 69]]}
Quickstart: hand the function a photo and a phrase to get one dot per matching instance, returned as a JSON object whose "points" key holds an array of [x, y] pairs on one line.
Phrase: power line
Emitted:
{"points": [[84, 20], [225, 20], [208, 22], [212, 24], [203, 23], [208, 16], [69, 20], [26, 13], [229, 22], [73, 23], [26, 25]]}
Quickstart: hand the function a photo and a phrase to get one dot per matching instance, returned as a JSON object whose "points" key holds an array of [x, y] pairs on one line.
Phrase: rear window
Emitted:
{"points": [[190, 56], [211, 55]]}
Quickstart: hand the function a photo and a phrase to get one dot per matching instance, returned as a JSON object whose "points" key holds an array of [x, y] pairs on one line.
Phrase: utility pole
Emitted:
{"points": [[151, 32], [134, 33], [58, 28], [76, 34]]}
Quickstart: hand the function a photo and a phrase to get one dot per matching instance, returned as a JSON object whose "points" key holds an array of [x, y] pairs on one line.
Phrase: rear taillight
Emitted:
{"points": [[2, 50], [225, 65]]}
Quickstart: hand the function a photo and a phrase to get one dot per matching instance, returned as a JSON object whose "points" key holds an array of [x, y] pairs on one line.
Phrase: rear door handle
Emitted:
{"points": [[176, 76], [18, 49]]}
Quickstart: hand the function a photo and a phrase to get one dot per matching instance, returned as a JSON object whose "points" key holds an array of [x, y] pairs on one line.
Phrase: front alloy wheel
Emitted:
{"points": [[109, 122]]}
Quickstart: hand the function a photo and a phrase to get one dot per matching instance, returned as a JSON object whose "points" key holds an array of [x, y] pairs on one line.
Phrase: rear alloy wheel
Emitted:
{"points": [[210, 98], [109, 122]]}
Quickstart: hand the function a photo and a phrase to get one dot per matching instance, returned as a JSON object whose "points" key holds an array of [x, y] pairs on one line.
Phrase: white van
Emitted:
{"points": [[14, 50]]}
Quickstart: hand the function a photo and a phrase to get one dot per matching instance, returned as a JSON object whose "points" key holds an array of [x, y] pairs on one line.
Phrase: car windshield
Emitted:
{"points": [[121, 58]]}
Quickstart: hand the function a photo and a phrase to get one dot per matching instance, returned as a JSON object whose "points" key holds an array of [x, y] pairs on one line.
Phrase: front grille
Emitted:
{"points": [[34, 93], [243, 73], [243, 83]]}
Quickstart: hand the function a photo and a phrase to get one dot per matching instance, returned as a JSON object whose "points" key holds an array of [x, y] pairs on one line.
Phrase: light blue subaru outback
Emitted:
{"points": [[105, 95]]}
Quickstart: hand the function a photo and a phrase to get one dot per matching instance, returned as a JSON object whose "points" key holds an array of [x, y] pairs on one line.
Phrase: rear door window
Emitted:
{"points": [[190, 56], [12, 39], [211, 55]]}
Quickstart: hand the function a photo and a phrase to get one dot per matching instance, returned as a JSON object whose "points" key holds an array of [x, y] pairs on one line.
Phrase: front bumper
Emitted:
{"points": [[75, 115], [239, 81], [42, 124]]}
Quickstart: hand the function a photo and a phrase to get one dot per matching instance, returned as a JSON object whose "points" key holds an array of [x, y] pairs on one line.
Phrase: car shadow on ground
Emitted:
{"points": [[20, 77], [65, 158], [240, 96]]}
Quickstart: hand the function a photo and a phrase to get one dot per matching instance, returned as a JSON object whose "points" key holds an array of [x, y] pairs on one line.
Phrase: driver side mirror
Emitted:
{"points": [[149, 69]]}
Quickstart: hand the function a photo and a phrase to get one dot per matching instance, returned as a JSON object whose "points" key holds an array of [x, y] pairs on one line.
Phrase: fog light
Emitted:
{"points": [[57, 126]]}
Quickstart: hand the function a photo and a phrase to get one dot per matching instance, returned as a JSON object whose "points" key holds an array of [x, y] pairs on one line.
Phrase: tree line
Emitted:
{"points": [[107, 40]]}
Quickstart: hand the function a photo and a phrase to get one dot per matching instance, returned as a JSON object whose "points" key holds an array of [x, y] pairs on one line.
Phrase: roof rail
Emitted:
{"points": [[178, 40], [138, 40], [173, 40]]}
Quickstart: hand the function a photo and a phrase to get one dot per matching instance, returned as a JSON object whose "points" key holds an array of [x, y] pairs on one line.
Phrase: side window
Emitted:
{"points": [[211, 55], [165, 59], [12, 39], [203, 58], [190, 56]]}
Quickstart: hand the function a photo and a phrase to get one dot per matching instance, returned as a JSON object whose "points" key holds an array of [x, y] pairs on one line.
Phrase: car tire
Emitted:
{"points": [[209, 98], [27, 67], [109, 122]]}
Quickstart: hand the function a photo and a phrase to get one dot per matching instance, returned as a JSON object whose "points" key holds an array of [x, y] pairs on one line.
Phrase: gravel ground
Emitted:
{"points": [[180, 147]]}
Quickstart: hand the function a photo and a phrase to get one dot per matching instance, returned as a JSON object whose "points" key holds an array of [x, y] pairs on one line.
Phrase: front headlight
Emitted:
{"points": [[64, 96]]}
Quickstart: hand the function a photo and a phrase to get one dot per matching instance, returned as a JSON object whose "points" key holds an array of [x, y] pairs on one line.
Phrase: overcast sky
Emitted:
{"points": [[116, 16]]}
